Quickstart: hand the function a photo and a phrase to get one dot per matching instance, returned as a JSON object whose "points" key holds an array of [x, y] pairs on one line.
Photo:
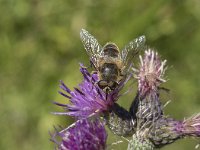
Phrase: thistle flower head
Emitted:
{"points": [[83, 135], [88, 99], [147, 107], [147, 102], [167, 130], [151, 72]]}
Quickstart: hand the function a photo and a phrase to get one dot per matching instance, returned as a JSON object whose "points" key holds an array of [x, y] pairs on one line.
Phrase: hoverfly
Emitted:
{"points": [[111, 65]]}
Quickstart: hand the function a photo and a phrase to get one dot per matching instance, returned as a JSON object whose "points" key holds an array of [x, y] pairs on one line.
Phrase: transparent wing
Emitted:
{"points": [[92, 47], [131, 49]]}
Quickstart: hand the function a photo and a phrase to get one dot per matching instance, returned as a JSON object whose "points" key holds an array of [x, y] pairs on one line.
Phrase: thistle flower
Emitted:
{"points": [[151, 72], [88, 99], [83, 135], [155, 130], [167, 130], [147, 106]]}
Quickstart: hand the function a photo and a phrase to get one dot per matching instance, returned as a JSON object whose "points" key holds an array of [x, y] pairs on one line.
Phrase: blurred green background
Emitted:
{"points": [[40, 45]]}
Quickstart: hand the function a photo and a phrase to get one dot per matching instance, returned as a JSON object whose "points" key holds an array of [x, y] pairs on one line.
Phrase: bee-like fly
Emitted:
{"points": [[111, 65]]}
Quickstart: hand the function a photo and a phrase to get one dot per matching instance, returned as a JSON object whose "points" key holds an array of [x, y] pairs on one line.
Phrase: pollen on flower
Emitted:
{"points": [[151, 72]]}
